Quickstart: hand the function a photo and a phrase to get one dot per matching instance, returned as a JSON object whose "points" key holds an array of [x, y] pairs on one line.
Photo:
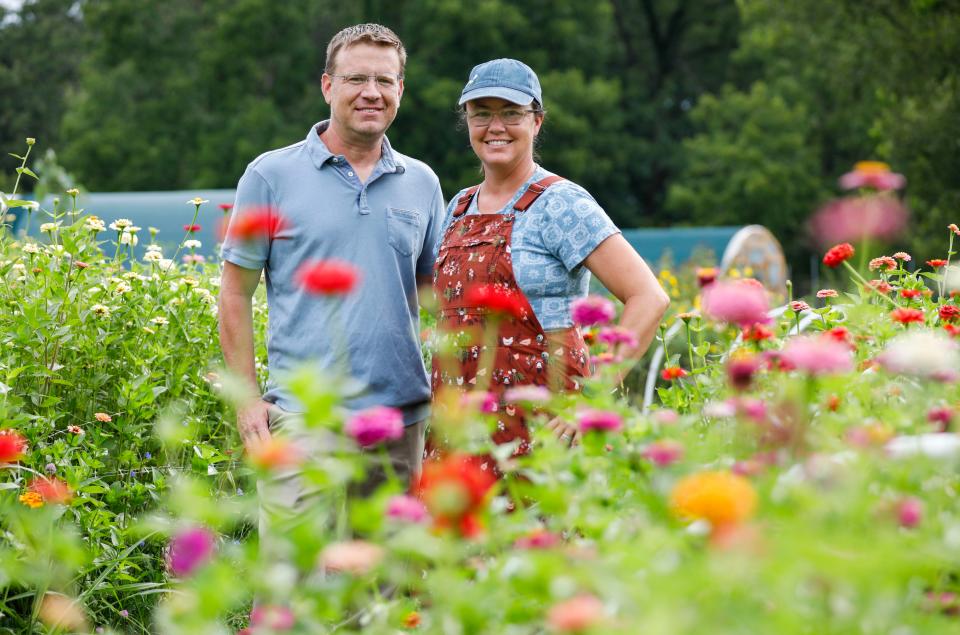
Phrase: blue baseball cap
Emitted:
{"points": [[504, 78]]}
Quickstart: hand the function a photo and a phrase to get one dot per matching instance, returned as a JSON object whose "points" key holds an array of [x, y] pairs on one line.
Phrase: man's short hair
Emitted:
{"points": [[375, 34]]}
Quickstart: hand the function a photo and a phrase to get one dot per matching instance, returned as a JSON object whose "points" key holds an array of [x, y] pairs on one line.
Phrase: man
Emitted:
{"points": [[343, 193]]}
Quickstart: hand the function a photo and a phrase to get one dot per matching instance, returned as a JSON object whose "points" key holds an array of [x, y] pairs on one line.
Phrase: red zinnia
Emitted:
{"points": [[12, 446], [906, 315], [52, 490], [256, 222], [225, 207], [496, 299], [937, 262], [949, 312], [328, 277], [837, 254], [673, 372], [952, 329], [191, 228], [455, 489], [757, 333], [910, 293]]}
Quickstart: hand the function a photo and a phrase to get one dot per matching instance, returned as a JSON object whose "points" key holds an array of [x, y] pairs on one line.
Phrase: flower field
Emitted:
{"points": [[797, 472]]}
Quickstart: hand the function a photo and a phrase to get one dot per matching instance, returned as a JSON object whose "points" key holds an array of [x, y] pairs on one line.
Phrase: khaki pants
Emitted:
{"points": [[286, 497]]}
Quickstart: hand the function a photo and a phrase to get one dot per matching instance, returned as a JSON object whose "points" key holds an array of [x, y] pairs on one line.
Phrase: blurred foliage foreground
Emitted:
{"points": [[789, 482]]}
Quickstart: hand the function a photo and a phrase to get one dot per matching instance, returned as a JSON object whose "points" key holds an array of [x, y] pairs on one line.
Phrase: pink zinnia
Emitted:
{"points": [[817, 355], [191, 228], [740, 370], [375, 425], [617, 335], [599, 420], [272, 618], [530, 393], [190, 549], [663, 453], [538, 539], [873, 174], [909, 512], [575, 615], [827, 293], [736, 302], [592, 310], [799, 305], [406, 509], [853, 219]]}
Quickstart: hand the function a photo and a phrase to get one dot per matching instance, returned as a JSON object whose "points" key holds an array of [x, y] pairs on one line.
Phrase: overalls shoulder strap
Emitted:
{"points": [[464, 201], [534, 191]]}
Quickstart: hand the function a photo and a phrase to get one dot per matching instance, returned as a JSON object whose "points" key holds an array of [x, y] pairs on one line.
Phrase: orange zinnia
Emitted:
{"points": [[721, 498]]}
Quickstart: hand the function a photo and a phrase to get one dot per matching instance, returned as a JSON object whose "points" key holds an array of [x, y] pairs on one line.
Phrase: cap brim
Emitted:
{"points": [[513, 96]]}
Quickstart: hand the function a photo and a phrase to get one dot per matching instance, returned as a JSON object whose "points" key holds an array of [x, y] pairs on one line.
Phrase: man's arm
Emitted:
{"points": [[236, 340]]}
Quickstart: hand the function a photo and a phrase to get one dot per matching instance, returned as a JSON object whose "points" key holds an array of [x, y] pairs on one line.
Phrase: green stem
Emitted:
{"points": [[689, 346], [865, 284]]}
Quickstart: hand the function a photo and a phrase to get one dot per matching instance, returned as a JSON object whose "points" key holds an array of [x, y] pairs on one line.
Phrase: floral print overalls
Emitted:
{"points": [[476, 250]]}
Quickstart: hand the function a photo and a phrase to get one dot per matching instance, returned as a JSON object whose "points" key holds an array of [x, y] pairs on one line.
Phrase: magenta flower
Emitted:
{"points": [[817, 355], [406, 509], [909, 512], [272, 618], [740, 370], [190, 549], [737, 302], [663, 453], [873, 174], [753, 409], [853, 219], [599, 420], [375, 425], [592, 310], [941, 416], [538, 539], [617, 335]]}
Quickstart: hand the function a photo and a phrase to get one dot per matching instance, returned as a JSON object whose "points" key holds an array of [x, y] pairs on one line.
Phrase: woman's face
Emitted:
{"points": [[502, 145]]}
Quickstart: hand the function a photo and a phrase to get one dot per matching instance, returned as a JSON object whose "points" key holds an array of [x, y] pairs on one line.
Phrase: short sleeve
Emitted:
{"points": [[253, 193], [431, 241], [574, 224]]}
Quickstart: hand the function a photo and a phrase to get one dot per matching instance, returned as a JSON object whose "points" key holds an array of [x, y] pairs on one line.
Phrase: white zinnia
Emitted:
{"points": [[165, 264], [192, 244], [152, 256], [160, 320], [31, 248], [129, 239], [100, 310], [922, 353], [120, 224], [50, 227], [94, 224]]}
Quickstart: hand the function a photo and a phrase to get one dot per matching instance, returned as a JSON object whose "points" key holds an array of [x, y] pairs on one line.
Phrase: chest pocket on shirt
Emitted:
{"points": [[403, 229]]}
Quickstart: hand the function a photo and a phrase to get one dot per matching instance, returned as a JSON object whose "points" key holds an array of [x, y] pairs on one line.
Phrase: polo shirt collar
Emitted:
{"points": [[320, 154]]}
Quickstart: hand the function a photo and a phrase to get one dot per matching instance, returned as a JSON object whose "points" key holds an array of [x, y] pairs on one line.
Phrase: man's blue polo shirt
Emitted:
{"points": [[387, 227]]}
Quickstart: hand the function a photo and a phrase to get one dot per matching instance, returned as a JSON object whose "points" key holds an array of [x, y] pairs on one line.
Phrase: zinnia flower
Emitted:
{"points": [[375, 425], [902, 255], [720, 498], [740, 370], [663, 453], [102, 417], [905, 315], [575, 615], [706, 276], [197, 201], [837, 254], [874, 174], [799, 305], [937, 262], [909, 512], [528, 393], [827, 293], [670, 373], [328, 277], [77, 430], [883, 262], [921, 353], [738, 302], [455, 489], [880, 286], [12, 445], [256, 222], [52, 490], [191, 228], [757, 333], [275, 453], [817, 355], [879, 216], [600, 420], [910, 294], [614, 335], [593, 310], [406, 509], [225, 207], [190, 549], [497, 300], [949, 312], [271, 617]]}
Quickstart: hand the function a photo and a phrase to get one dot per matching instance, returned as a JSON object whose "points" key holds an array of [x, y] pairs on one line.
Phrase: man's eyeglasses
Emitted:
{"points": [[383, 81], [509, 116]]}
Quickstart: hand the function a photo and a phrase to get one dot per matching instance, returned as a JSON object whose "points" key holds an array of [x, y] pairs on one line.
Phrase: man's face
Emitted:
{"points": [[363, 103]]}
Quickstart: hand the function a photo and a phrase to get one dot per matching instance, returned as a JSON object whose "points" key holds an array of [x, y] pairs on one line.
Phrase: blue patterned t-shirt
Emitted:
{"points": [[550, 242]]}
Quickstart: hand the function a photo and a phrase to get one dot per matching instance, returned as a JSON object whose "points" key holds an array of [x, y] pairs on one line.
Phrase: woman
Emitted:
{"points": [[533, 236]]}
